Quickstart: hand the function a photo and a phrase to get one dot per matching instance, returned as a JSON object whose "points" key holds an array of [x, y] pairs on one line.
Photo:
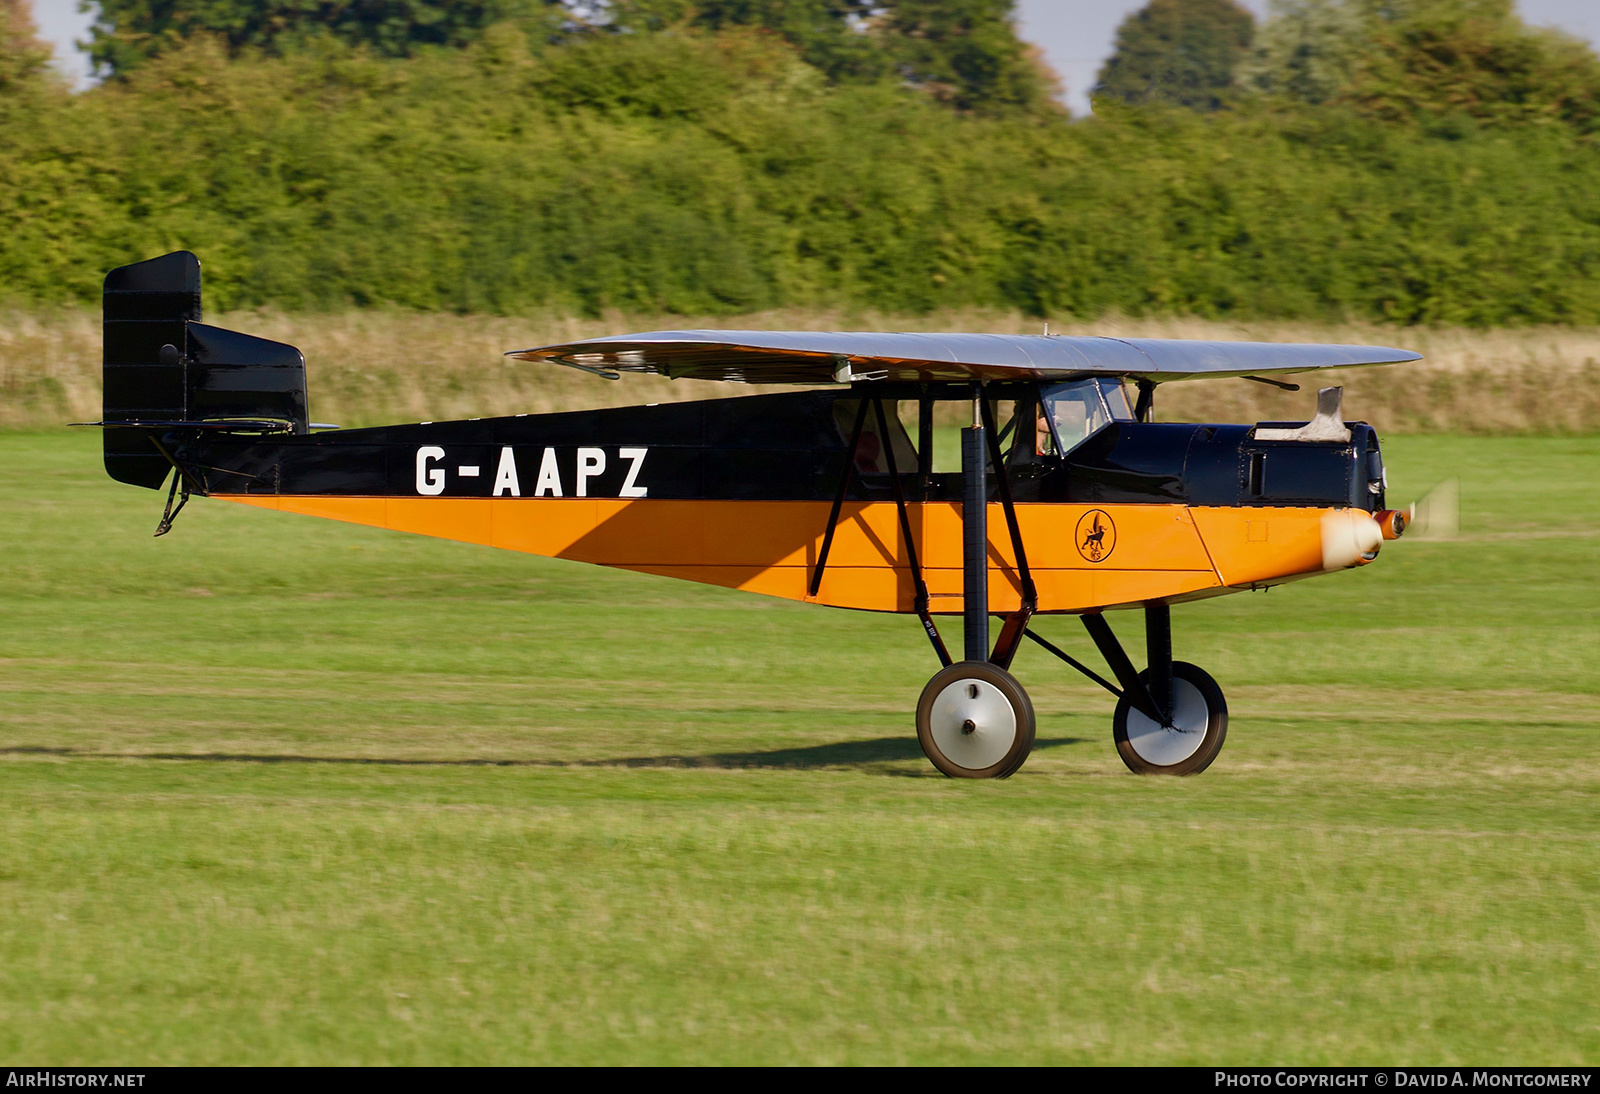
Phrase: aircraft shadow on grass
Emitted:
{"points": [[878, 750]]}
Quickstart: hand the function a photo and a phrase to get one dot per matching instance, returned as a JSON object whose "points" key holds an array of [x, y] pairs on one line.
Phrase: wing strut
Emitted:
{"points": [[1005, 647], [911, 544], [1146, 402], [838, 498]]}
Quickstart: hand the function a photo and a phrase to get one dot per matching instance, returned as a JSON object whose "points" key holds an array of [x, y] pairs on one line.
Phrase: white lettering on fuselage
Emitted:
{"points": [[549, 477], [589, 467], [591, 464], [630, 485], [430, 480], [505, 479]]}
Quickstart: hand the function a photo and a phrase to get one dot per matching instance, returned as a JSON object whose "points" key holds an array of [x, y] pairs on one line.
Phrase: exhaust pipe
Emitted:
{"points": [[1392, 522]]}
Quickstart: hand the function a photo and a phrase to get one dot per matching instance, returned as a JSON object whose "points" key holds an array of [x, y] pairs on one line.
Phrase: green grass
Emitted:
{"points": [[281, 790]]}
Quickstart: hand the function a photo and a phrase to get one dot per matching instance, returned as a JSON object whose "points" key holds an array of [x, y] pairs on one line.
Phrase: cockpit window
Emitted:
{"points": [[1073, 411], [1115, 393], [871, 456]]}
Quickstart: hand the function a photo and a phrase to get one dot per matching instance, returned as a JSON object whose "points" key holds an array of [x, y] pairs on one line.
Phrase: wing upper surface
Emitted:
{"points": [[810, 357]]}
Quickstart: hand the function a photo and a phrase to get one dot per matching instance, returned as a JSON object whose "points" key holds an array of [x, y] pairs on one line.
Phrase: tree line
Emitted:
{"points": [[1410, 161], [1391, 60]]}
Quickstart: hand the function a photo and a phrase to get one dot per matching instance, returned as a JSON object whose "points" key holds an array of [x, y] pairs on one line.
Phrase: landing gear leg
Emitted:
{"points": [[1171, 719], [974, 721], [1193, 715]]}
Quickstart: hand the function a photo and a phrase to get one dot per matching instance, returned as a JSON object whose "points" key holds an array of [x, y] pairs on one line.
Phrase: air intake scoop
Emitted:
{"points": [[1327, 425]]}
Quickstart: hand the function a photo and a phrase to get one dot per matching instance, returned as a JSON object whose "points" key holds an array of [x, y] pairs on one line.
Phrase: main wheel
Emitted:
{"points": [[1190, 743], [974, 721]]}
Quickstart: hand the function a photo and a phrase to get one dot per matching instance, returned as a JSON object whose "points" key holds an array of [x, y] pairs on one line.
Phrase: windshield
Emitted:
{"points": [[1073, 411]]}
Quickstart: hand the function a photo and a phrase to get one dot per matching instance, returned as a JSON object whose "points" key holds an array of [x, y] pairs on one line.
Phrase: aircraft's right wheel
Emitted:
{"points": [[974, 721], [1190, 743]]}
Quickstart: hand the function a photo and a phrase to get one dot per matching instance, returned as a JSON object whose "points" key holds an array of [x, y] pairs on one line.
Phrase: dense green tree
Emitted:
{"points": [[704, 174], [967, 51], [1472, 58], [830, 34], [24, 59], [1182, 52], [1308, 49], [126, 33], [1448, 61], [964, 52]]}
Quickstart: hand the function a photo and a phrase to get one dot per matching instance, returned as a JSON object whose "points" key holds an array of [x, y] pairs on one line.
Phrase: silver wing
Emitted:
{"points": [[814, 357]]}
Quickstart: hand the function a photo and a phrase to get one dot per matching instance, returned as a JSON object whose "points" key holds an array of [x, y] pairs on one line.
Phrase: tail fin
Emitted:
{"points": [[145, 306], [167, 372]]}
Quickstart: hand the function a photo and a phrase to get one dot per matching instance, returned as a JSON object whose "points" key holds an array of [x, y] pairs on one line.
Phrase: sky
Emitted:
{"points": [[1076, 35]]}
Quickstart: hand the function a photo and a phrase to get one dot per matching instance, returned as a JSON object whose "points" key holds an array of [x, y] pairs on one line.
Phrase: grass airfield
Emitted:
{"points": [[277, 790]]}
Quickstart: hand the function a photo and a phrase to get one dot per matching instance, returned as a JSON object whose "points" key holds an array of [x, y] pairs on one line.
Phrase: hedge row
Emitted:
{"points": [[720, 174]]}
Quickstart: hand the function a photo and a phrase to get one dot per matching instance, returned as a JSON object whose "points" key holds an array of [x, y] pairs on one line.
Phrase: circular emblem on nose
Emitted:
{"points": [[1097, 535]]}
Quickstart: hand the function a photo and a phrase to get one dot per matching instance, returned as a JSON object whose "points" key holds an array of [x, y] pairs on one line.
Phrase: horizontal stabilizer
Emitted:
{"points": [[216, 425]]}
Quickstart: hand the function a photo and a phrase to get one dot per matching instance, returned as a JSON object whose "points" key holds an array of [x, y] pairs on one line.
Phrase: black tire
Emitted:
{"points": [[974, 721], [1150, 744]]}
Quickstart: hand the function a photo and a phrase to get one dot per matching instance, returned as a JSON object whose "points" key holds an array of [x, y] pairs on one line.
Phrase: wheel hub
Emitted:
{"points": [[973, 723], [1165, 745]]}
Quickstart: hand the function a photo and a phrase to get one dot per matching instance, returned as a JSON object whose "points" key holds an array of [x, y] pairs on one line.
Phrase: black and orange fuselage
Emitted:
{"points": [[739, 492]]}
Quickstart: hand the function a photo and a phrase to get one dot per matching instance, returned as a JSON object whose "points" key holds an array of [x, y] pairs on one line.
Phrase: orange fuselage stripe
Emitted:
{"points": [[1148, 552]]}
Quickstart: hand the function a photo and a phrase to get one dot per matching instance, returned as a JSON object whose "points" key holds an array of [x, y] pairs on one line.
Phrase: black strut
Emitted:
{"points": [[924, 444], [975, 537], [838, 498], [1145, 404], [918, 583], [1075, 663], [1133, 689], [1158, 649], [1005, 647]]}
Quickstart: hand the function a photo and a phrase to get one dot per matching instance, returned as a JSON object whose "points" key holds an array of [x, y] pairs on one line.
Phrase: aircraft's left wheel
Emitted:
{"points": [[1190, 743], [974, 721]]}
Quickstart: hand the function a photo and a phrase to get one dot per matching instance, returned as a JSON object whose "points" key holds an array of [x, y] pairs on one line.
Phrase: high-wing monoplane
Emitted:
{"points": [[1070, 499]]}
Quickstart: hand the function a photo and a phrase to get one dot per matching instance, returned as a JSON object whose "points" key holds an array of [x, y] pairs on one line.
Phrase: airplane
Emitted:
{"points": [[1071, 499]]}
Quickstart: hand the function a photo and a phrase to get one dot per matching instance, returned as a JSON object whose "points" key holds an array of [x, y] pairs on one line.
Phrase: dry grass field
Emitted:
{"points": [[373, 367]]}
